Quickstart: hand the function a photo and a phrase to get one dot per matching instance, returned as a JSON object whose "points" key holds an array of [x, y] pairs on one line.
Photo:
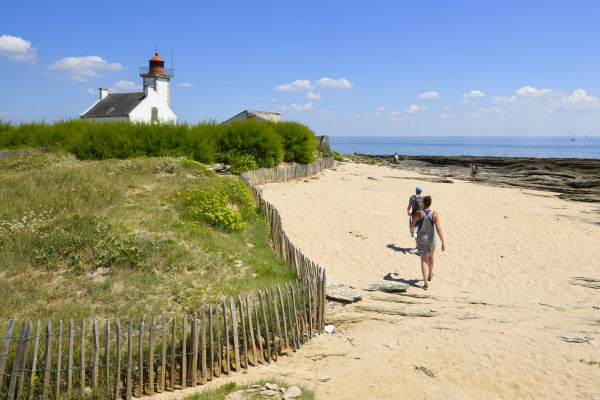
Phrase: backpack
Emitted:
{"points": [[417, 202]]}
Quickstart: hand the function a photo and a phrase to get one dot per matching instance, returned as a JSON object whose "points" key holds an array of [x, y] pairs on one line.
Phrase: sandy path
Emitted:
{"points": [[501, 292]]}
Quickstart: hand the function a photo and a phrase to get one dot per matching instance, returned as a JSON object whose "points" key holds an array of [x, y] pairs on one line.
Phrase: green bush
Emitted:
{"points": [[267, 143], [255, 138], [225, 205], [299, 142]]}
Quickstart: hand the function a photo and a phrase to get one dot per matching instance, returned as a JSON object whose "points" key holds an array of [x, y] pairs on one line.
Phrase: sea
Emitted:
{"points": [[489, 146]]}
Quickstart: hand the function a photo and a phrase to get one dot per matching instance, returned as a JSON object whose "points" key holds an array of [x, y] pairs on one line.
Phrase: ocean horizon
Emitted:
{"points": [[482, 146]]}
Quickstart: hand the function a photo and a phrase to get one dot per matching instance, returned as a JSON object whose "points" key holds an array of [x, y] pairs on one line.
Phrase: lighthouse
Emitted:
{"points": [[150, 106], [157, 77]]}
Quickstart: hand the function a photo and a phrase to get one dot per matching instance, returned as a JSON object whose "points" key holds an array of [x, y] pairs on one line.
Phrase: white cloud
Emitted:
{"points": [[39, 107], [296, 86], [529, 91], [126, 85], [473, 115], [490, 109], [447, 108], [473, 93], [445, 116], [185, 84], [381, 109], [334, 83], [353, 116], [80, 69], [394, 112], [413, 109], [429, 95], [4, 113], [504, 100], [17, 49], [283, 107], [90, 91], [580, 97], [307, 106], [274, 100], [314, 96], [464, 102]]}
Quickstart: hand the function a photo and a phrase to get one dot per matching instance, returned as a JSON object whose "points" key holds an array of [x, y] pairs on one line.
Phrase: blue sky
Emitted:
{"points": [[351, 68]]}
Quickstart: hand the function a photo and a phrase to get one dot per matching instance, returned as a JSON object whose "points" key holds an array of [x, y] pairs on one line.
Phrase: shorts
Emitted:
{"points": [[426, 246]]}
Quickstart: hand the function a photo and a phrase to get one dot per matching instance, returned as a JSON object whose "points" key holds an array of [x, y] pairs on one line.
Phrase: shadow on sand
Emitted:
{"points": [[392, 276], [403, 250]]}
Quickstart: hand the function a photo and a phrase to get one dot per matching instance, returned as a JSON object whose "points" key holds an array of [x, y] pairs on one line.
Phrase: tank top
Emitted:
{"points": [[426, 226]]}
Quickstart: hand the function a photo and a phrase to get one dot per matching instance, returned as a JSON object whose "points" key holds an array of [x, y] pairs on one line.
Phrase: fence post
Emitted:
{"points": [[24, 361], [70, 360], [5, 347], [58, 362], [234, 328], [34, 362], [48, 362]]}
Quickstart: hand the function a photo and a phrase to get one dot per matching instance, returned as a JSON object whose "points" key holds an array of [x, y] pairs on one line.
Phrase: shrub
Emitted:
{"points": [[225, 205], [299, 142], [255, 138]]}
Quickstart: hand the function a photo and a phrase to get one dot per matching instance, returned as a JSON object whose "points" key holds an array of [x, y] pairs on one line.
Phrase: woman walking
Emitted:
{"points": [[426, 220]]}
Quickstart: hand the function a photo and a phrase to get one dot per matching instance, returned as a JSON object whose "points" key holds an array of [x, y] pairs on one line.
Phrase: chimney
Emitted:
{"points": [[103, 92]]}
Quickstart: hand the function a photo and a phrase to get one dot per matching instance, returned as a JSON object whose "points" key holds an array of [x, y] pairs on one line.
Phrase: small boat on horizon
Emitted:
{"points": [[573, 138]]}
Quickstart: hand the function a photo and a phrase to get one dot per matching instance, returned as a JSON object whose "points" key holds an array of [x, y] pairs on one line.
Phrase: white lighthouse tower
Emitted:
{"points": [[157, 77]]}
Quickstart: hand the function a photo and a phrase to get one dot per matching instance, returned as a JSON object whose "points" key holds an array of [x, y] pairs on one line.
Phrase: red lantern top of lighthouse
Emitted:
{"points": [[156, 65]]}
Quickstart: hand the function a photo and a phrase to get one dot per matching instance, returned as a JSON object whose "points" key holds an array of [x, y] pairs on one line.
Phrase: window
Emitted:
{"points": [[154, 117]]}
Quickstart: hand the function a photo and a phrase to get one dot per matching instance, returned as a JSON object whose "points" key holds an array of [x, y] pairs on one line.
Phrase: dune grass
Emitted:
{"points": [[115, 238]]}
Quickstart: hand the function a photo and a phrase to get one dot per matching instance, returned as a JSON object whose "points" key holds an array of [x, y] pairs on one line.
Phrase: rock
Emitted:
{"points": [[388, 286], [237, 395], [329, 328], [343, 294], [269, 392], [324, 379], [272, 386], [292, 392], [374, 178]]}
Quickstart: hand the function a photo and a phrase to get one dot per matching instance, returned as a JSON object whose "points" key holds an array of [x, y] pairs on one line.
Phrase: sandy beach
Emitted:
{"points": [[503, 299]]}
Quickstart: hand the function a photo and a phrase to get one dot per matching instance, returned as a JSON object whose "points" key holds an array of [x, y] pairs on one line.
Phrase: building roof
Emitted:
{"points": [[114, 105], [259, 115], [156, 58]]}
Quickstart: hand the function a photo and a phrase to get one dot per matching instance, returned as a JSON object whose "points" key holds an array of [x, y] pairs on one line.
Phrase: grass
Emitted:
{"points": [[222, 392], [113, 238]]}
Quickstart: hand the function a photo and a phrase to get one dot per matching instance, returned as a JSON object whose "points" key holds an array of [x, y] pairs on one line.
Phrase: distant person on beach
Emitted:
{"points": [[396, 159], [426, 220], [415, 203], [473, 172]]}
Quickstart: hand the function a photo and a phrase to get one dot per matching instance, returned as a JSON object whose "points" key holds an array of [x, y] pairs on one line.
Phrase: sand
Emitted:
{"points": [[501, 295]]}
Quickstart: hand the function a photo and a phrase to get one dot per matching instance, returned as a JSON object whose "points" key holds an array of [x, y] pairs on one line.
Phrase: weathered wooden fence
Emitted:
{"points": [[110, 360], [276, 175], [114, 360]]}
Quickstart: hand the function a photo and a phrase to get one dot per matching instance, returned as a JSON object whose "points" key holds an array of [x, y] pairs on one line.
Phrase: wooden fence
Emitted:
{"points": [[103, 359], [276, 175]]}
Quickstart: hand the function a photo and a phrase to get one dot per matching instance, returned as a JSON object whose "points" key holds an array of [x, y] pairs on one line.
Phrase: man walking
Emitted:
{"points": [[415, 202]]}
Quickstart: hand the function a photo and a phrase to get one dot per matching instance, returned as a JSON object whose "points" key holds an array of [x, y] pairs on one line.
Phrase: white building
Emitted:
{"points": [[149, 106]]}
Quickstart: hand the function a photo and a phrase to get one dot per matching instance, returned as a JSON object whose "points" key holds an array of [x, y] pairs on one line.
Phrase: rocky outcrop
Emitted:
{"points": [[572, 178]]}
